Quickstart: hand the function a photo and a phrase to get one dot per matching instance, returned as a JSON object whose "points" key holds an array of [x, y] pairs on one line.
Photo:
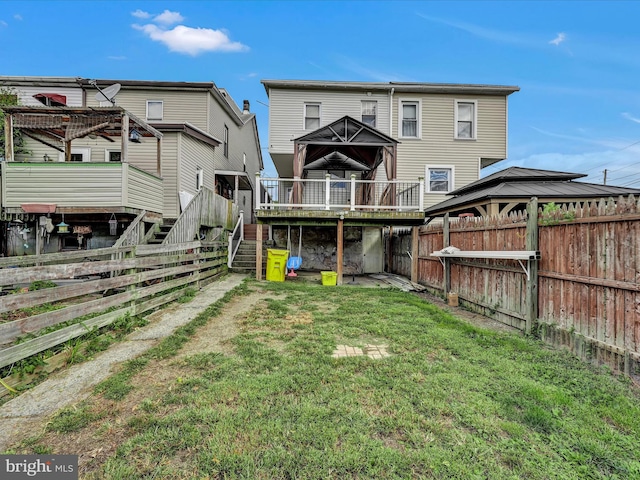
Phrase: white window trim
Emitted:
{"points": [[84, 151], [147, 113], [108, 151], [417, 101], [452, 182], [474, 130], [304, 115]]}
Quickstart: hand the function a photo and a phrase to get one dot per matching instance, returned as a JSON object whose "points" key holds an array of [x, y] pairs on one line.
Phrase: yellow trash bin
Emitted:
{"points": [[276, 264]]}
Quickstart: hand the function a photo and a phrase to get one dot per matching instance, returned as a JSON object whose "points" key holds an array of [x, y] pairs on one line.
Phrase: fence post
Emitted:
{"points": [[133, 286], [327, 191], [532, 284], [447, 261], [415, 250]]}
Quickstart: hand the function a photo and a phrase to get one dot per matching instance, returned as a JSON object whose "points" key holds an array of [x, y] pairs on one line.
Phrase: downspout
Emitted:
{"points": [[391, 110]]}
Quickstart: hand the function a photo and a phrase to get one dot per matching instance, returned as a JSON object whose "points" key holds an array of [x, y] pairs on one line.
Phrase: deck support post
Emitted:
{"points": [[340, 250], [259, 251]]}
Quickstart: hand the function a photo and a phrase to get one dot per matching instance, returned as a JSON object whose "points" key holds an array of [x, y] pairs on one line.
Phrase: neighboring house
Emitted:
{"points": [[387, 150], [180, 137], [511, 189]]}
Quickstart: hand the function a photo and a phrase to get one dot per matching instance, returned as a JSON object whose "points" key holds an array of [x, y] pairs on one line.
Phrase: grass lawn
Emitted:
{"points": [[452, 401]]}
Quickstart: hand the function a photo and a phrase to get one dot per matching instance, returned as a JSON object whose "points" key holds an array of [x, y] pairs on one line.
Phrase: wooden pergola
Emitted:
{"points": [[57, 127]]}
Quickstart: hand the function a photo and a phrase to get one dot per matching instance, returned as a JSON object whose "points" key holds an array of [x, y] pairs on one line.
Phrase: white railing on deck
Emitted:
{"points": [[236, 238], [341, 194]]}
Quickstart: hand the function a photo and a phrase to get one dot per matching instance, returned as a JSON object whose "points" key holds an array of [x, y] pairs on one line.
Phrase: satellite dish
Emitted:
{"points": [[108, 94]]}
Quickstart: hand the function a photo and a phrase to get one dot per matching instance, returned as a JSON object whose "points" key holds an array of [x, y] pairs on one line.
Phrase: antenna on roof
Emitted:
{"points": [[108, 94]]}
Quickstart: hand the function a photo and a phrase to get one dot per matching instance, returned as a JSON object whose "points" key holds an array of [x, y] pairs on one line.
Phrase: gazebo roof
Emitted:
{"points": [[514, 185], [351, 139]]}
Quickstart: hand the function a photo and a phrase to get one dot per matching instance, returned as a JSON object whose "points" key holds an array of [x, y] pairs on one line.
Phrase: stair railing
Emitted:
{"points": [[235, 239], [134, 233]]}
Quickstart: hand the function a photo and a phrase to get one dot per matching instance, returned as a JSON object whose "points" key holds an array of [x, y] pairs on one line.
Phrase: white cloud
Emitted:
{"points": [[18, 17], [168, 18], [353, 66], [192, 41], [141, 14], [478, 31], [561, 37], [3, 23], [117, 57], [628, 116]]}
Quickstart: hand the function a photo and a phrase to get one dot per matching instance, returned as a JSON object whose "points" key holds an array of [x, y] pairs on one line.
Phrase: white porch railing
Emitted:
{"points": [[341, 194]]}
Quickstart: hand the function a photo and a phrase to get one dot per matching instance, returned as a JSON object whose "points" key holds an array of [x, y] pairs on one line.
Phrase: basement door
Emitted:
{"points": [[372, 250]]}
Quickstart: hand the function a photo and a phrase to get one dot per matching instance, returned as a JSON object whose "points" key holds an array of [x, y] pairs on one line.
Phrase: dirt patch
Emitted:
{"points": [[215, 336]]}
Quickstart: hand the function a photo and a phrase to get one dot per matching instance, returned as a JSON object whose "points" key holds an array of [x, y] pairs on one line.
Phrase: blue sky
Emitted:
{"points": [[577, 62]]}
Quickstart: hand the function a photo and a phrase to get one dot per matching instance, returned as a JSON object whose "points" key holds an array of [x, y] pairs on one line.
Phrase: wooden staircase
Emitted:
{"points": [[162, 231], [250, 232], [245, 259]]}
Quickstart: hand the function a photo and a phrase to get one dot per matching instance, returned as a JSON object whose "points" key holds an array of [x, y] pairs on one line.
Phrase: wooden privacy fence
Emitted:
{"points": [[91, 285], [584, 292]]}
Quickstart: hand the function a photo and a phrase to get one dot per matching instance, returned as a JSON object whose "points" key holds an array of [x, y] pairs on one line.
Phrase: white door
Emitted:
{"points": [[372, 249]]}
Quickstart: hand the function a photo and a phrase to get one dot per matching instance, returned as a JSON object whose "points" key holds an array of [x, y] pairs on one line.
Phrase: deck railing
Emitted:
{"points": [[341, 194]]}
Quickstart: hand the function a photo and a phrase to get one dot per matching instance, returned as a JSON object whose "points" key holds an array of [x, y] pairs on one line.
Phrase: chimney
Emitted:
{"points": [[245, 107]]}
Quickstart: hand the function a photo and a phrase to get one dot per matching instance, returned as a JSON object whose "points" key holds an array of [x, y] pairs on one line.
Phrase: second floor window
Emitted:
{"points": [[409, 122], [465, 120], [225, 141], [154, 110], [369, 111], [311, 116]]}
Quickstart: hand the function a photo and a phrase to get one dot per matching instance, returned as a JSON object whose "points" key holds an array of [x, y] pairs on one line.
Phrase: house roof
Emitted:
{"points": [[404, 87], [513, 184], [190, 130]]}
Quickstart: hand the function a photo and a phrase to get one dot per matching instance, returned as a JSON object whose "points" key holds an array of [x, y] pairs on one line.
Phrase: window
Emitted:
{"points": [[369, 111], [77, 155], [409, 124], [225, 141], [439, 179], [113, 156], [465, 120], [311, 116], [154, 109], [199, 178]]}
